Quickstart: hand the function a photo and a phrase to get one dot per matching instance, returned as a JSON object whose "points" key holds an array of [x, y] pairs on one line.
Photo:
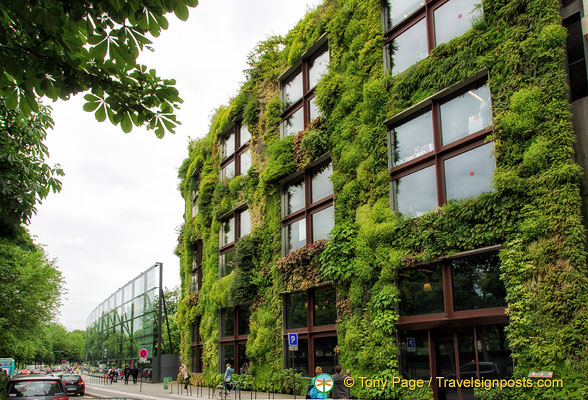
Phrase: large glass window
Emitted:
{"points": [[325, 306], [233, 227], [233, 331], [296, 310], [297, 90], [227, 322], [439, 154], [421, 290], [307, 207], [235, 151], [415, 27], [324, 353]]}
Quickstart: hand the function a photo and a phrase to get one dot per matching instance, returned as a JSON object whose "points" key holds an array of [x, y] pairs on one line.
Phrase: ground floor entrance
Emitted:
{"points": [[451, 354]]}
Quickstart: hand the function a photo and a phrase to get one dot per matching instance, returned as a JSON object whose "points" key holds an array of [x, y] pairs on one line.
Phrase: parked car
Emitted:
{"points": [[74, 384], [36, 387]]}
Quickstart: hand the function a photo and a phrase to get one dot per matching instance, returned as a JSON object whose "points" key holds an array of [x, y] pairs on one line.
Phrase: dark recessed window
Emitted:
{"points": [[233, 332], [300, 356], [307, 207], [325, 306], [576, 58], [227, 322], [243, 324], [439, 154], [421, 290], [416, 27], [297, 90], [235, 152], [324, 353], [296, 310]]}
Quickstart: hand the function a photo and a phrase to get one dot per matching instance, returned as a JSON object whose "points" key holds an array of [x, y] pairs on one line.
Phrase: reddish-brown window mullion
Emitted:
{"points": [[227, 160], [465, 141], [463, 149], [404, 26], [413, 165], [293, 108], [227, 247], [297, 216], [307, 200], [439, 181], [447, 289], [320, 203]]}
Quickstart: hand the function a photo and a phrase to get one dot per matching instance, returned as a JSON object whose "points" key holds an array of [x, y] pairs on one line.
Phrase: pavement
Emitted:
{"points": [[155, 391]]}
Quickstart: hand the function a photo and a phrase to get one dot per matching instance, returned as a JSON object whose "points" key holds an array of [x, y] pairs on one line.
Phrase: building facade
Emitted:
{"points": [[401, 184]]}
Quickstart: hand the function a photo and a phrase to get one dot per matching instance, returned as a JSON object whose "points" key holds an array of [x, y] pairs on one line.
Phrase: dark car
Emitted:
{"points": [[37, 387], [74, 384]]}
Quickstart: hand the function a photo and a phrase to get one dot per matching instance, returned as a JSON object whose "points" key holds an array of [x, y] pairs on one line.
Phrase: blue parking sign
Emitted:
{"points": [[410, 344], [293, 339]]}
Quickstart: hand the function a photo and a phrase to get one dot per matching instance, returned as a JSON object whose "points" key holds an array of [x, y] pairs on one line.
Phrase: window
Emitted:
{"points": [[196, 283], [313, 315], [234, 226], [233, 333], [297, 89], [438, 150], [235, 151], [196, 345], [307, 207], [576, 60], [415, 27], [195, 182], [453, 285]]}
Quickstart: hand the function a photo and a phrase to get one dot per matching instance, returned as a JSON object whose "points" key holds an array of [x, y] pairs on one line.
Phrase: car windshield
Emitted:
{"points": [[70, 378], [34, 388]]}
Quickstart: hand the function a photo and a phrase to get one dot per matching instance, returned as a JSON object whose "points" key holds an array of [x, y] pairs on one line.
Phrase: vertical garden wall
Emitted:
{"points": [[532, 214]]}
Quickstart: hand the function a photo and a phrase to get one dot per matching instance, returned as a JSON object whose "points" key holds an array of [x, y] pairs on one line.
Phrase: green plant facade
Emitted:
{"points": [[533, 211]]}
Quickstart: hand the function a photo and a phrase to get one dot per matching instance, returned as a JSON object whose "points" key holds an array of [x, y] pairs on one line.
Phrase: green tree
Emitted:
{"points": [[56, 48]]}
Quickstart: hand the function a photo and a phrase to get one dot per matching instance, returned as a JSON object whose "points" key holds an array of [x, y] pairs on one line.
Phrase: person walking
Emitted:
{"points": [[228, 373], [127, 373], [340, 391], [184, 372], [135, 374]]}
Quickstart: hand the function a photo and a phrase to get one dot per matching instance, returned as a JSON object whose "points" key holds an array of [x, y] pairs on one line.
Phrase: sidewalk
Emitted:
{"points": [[155, 391]]}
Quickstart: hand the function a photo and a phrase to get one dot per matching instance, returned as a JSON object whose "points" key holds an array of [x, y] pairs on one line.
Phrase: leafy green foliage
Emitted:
{"points": [[57, 49]]}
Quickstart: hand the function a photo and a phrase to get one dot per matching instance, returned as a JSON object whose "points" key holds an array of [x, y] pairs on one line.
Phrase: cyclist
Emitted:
{"points": [[228, 378]]}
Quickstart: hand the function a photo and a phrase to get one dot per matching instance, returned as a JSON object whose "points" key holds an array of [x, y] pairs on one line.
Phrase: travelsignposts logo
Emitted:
{"points": [[323, 383]]}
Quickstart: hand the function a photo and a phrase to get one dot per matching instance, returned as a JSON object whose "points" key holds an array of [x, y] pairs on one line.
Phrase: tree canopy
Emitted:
{"points": [[57, 48]]}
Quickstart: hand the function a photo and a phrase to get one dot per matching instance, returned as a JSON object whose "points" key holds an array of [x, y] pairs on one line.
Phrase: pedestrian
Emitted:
{"points": [[135, 374], [313, 392], [127, 373], [184, 372], [228, 373], [111, 375], [340, 390]]}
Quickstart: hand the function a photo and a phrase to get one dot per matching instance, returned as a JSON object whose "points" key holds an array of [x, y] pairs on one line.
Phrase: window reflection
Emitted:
{"points": [[227, 234], [322, 223], [317, 69], [416, 193], [296, 234], [325, 306], [227, 263], [411, 47], [321, 183], [292, 90], [454, 18], [470, 173], [245, 160], [295, 197], [421, 290], [324, 353], [296, 310], [400, 9], [293, 124], [227, 146], [245, 134], [314, 110], [245, 223], [413, 138], [469, 113], [228, 171]]}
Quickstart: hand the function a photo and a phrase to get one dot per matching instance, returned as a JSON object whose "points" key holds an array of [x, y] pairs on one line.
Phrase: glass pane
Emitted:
{"points": [[317, 69], [421, 290], [414, 355], [470, 173], [194, 331], [445, 356], [227, 233], [227, 263], [243, 359], [295, 197], [476, 282], [228, 171], [454, 18], [322, 223], [293, 124], [321, 184], [228, 355], [413, 139], [227, 146], [300, 356], [245, 160], [245, 134], [244, 315], [296, 235], [228, 322], [469, 113], [314, 110], [245, 223], [296, 310], [325, 306], [194, 283], [416, 193], [411, 47], [292, 90], [400, 9], [494, 353], [324, 353]]}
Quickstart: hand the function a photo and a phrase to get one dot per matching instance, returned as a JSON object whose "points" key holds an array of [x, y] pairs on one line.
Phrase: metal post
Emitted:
{"points": [[141, 381], [293, 375], [159, 337]]}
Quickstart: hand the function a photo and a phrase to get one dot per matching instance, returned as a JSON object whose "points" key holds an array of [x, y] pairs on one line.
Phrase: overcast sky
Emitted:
{"points": [[119, 208]]}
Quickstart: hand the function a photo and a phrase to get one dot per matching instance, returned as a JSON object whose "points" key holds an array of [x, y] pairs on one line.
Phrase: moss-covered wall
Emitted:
{"points": [[533, 211]]}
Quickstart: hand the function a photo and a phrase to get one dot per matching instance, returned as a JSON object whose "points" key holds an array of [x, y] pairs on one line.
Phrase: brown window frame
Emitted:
{"points": [[196, 346], [308, 93], [235, 340], [440, 152], [197, 266], [240, 148], [310, 208], [426, 11], [226, 248], [310, 331], [450, 317]]}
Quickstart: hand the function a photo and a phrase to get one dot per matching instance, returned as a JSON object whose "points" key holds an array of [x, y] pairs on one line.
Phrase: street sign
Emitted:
{"points": [[293, 341], [410, 344], [143, 353]]}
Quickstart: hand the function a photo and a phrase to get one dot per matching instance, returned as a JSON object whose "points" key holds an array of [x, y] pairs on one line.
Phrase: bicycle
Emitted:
{"points": [[221, 392]]}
